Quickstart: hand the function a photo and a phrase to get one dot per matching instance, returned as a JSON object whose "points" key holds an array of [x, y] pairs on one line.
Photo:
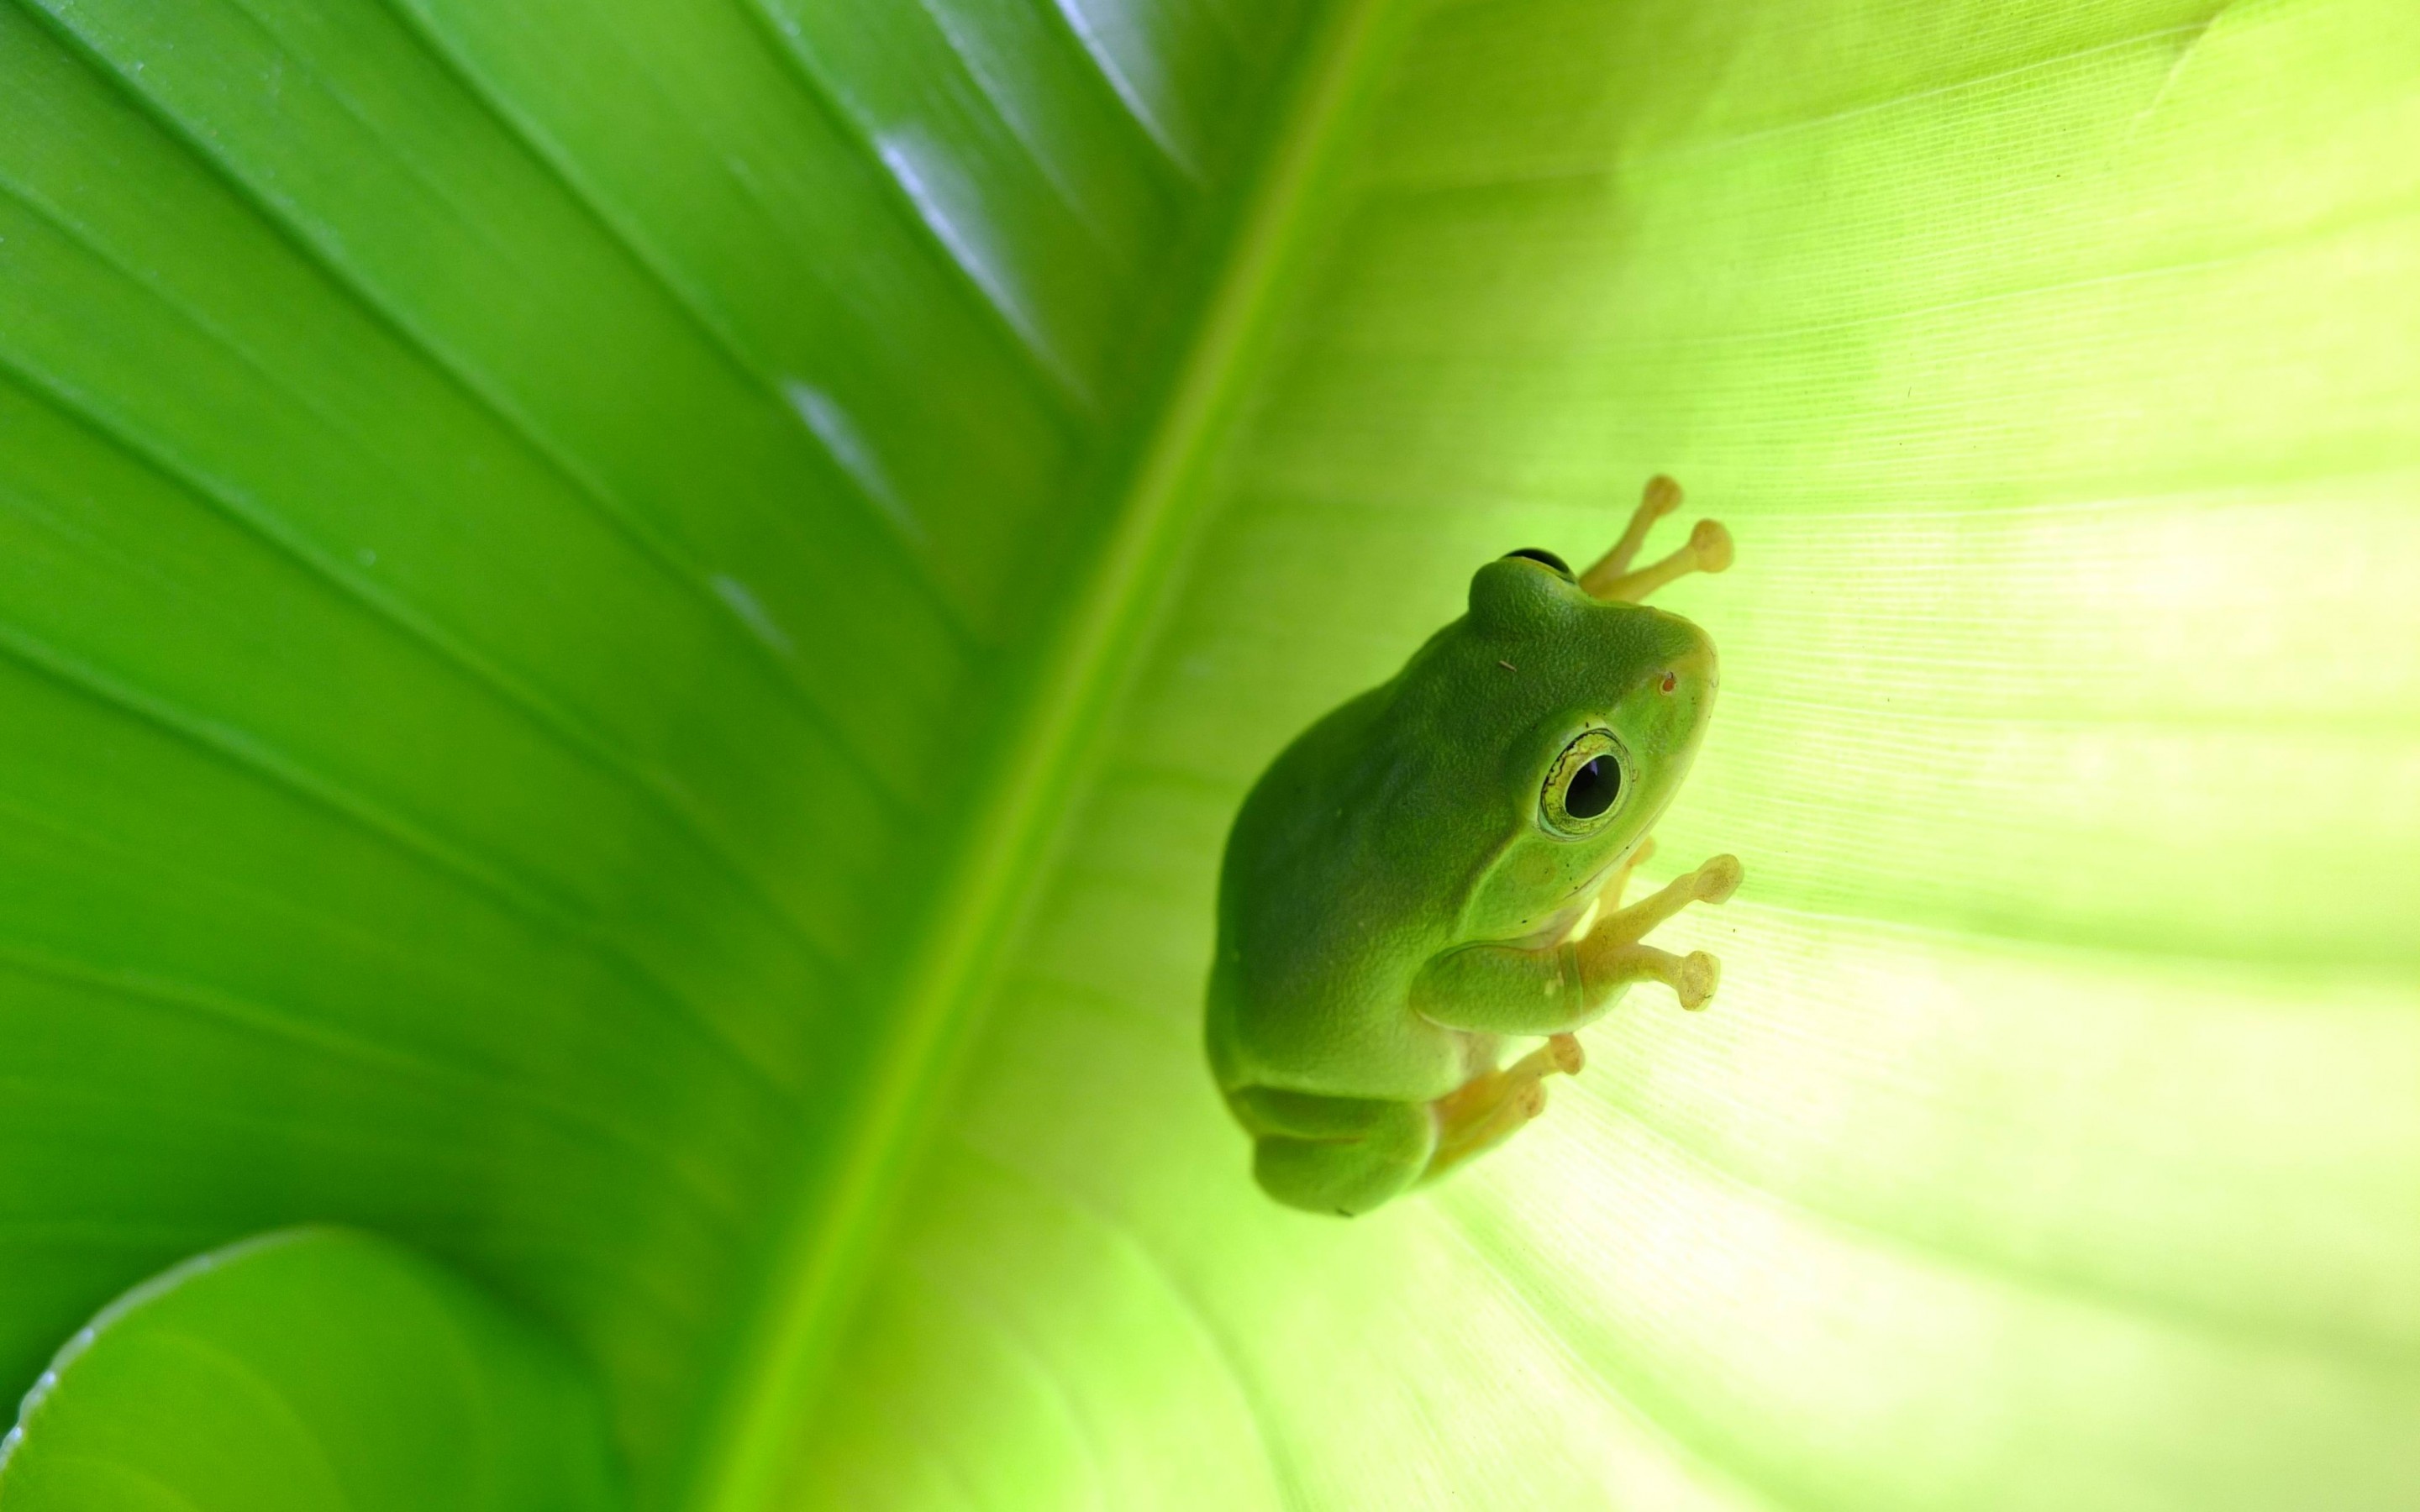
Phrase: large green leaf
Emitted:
{"points": [[560, 561], [518, 526]]}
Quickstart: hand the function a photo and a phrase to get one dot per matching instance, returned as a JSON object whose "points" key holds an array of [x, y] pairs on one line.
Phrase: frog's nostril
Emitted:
{"points": [[1693, 663]]}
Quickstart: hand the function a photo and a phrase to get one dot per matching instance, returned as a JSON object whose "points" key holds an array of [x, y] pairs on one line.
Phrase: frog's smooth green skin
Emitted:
{"points": [[1433, 867]]}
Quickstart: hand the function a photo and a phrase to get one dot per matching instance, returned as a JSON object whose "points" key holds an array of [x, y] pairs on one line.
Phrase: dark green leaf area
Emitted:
{"points": [[306, 1369]]}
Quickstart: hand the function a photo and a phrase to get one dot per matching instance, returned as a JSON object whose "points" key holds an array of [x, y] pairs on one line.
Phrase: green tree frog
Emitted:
{"points": [[1438, 866]]}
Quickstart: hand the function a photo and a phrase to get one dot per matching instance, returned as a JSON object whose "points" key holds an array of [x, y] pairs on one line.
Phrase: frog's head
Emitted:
{"points": [[1582, 716]]}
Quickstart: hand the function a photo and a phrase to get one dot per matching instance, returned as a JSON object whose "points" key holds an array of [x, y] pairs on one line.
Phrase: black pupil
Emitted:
{"points": [[1593, 788]]}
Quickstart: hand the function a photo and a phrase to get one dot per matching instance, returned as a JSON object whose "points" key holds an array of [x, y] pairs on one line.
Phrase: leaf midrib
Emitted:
{"points": [[830, 1235]]}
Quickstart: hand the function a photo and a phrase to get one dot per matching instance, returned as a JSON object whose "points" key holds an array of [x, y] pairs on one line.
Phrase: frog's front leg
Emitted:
{"points": [[1512, 989], [1617, 938]]}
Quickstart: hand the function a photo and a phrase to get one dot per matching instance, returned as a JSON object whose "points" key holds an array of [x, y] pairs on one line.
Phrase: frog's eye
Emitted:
{"points": [[1585, 786], [1540, 554]]}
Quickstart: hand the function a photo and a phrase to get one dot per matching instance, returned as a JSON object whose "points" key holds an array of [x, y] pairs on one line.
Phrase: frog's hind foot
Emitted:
{"points": [[1473, 1131], [1560, 1053], [1709, 549], [1490, 1109]]}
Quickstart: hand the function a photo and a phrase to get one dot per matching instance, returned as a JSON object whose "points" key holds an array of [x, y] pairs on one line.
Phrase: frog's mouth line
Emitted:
{"points": [[1592, 886], [1596, 881], [1560, 920]]}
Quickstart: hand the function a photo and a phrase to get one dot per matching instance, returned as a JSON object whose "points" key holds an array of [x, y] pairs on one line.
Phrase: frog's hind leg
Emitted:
{"points": [[1343, 1155], [1709, 549], [1489, 1108]]}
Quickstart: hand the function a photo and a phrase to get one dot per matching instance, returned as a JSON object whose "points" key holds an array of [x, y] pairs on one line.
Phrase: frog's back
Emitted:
{"points": [[1321, 930]]}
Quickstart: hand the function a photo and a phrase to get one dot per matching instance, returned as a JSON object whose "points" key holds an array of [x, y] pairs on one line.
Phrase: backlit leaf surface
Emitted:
{"points": [[2054, 1140]]}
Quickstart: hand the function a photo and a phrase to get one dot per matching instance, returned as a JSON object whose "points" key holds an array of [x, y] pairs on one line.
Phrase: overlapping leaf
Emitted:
{"points": [[506, 513]]}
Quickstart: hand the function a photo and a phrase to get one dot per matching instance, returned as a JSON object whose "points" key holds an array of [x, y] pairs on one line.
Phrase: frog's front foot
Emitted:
{"points": [[1717, 879], [1709, 549], [1695, 983], [1712, 883], [1614, 953], [1693, 978]]}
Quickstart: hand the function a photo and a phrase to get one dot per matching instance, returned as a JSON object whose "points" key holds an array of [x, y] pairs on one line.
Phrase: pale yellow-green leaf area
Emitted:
{"points": [[2054, 1139]]}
